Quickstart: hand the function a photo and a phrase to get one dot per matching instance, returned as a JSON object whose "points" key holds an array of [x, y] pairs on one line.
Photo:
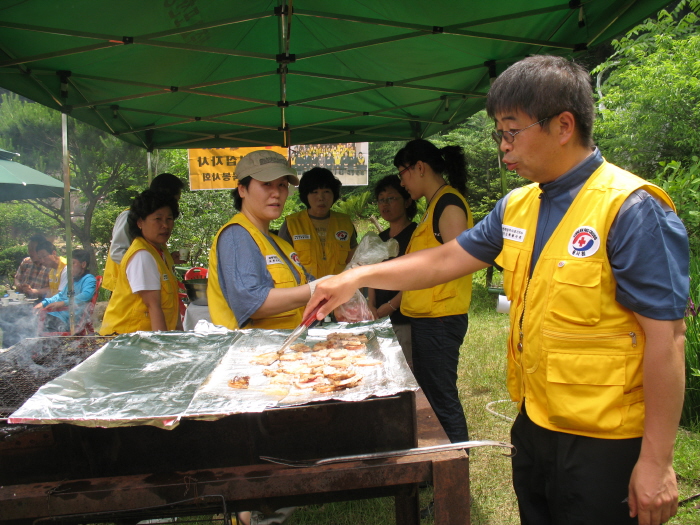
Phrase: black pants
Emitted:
{"points": [[565, 479], [436, 342]]}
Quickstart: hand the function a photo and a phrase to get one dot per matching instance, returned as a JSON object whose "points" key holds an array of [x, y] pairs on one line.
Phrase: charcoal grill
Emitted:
{"points": [[32, 362], [39, 453]]}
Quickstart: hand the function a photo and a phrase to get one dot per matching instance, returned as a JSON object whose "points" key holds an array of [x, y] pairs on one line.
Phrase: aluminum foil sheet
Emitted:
{"points": [[158, 378]]}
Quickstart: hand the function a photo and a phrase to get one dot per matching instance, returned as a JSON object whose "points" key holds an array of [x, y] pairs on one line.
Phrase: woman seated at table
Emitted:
{"points": [[255, 277], [325, 240], [84, 284], [145, 295]]}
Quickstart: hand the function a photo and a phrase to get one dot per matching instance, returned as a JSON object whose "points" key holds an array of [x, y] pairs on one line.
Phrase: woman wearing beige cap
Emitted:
{"points": [[255, 278]]}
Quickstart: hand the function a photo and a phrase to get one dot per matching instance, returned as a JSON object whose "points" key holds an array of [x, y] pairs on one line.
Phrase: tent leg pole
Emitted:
{"points": [[150, 168], [67, 219]]}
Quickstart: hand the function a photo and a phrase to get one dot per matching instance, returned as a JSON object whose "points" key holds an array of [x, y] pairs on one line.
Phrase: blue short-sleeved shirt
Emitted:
{"points": [[243, 275], [651, 282]]}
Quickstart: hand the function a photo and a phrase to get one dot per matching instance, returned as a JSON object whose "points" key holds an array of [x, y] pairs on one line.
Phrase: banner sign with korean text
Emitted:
{"points": [[215, 169], [349, 161]]}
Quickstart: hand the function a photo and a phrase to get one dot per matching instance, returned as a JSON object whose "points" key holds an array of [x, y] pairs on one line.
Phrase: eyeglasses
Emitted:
{"points": [[401, 172], [388, 200], [509, 136]]}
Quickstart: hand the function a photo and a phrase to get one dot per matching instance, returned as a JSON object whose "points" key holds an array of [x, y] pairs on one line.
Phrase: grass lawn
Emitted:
{"points": [[482, 385]]}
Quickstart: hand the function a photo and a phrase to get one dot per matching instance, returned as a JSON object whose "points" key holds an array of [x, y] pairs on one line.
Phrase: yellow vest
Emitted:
{"points": [[580, 365], [307, 244], [281, 274], [126, 311], [55, 277], [451, 298]]}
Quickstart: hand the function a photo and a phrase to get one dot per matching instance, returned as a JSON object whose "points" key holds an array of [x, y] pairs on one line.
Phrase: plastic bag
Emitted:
{"points": [[371, 250]]}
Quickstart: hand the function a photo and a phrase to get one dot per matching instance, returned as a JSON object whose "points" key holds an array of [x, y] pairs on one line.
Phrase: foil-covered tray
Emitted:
{"points": [[158, 378]]}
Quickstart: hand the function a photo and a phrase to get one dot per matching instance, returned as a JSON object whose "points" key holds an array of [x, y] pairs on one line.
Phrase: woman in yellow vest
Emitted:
{"points": [[255, 277], [438, 315], [325, 240], [145, 294]]}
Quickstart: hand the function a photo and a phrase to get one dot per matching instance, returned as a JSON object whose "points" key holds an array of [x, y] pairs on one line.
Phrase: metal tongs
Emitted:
{"points": [[308, 322], [464, 445]]}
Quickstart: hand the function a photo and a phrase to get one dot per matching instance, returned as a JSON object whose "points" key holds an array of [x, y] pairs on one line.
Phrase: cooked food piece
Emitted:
{"points": [[265, 359], [291, 356], [340, 363], [271, 372], [354, 345], [316, 363], [345, 336], [323, 388], [321, 353], [294, 368], [282, 379], [350, 382], [239, 382], [327, 345], [338, 354], [366, 361], [339, 375], [300, 347], [308, 384]]}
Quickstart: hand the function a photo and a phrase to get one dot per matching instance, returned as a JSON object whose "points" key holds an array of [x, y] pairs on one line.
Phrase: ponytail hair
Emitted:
{"points": [[449, 161]]}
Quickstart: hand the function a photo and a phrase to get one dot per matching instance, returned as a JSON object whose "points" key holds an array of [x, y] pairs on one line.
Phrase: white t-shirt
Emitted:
{"points": [[142, 272], [63, 280]]}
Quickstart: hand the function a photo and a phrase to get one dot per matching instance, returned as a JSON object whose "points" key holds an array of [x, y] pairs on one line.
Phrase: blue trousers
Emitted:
{"points": [[436, 342]]}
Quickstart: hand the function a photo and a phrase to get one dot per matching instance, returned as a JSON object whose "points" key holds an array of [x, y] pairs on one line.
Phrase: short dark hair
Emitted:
{"points": [[46, 246], [237, 199], [392, 181], [37, 238], [168, 183], [82, 256], [318, 178], [147, 202], [544, 86]]}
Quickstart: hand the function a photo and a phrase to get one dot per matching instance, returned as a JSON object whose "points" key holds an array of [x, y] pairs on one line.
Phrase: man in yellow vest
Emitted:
{"points": [[595, 264], [46, 253]]}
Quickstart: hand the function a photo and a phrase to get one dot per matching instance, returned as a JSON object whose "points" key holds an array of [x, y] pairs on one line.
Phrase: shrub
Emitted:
{"points": [[10, 258]]}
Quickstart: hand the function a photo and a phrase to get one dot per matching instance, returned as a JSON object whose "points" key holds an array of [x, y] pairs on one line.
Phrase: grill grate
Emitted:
{"points": [[31, 363]]}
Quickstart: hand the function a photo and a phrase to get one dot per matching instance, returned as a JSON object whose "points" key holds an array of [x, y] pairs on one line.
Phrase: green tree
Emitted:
{"points": [[649, 92], [99, 163]]}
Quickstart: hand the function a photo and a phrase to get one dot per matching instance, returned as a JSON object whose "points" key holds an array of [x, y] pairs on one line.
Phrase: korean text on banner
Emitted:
{"points": [[215, 169]]}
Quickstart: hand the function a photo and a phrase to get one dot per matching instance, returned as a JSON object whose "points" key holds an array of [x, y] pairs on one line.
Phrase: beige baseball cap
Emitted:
{"points": [[265, 165]]}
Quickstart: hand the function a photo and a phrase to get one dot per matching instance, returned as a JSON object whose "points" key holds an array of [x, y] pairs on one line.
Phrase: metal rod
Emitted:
{"points": [[65, 52], [67, 218]]}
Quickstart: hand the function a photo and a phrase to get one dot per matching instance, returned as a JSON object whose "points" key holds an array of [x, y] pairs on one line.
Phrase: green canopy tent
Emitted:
{"points": [[217, 73]]}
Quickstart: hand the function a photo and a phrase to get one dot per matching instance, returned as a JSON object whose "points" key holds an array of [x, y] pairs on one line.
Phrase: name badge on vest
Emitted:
{"points": [[342, 235], [512, 233], [304, 237], [165, 276], [584, 242], [273, 259]]}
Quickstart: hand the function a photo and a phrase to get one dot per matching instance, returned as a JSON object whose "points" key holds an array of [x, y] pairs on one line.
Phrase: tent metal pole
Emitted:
{"points": [[150, 167], [67, 219]]}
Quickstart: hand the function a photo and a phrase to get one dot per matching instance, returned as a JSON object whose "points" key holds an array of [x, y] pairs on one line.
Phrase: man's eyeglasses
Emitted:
{"points": [[401, 172], [509, 136], [388, 200]]}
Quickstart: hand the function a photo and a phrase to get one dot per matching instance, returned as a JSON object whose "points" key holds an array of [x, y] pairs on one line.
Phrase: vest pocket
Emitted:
{"points": [[575, 292], [304, 251], [585, 392], [508, 260]]}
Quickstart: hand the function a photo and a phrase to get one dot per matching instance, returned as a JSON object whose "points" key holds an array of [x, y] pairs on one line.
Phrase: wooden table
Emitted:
{"points": [[265, 486]]}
